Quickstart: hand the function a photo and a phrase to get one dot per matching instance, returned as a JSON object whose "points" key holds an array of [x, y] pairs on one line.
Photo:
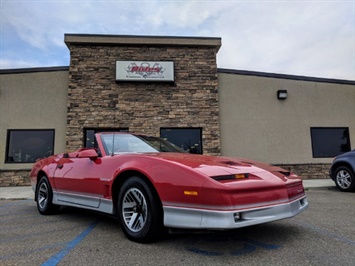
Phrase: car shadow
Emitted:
{"points": [[267, 236]]}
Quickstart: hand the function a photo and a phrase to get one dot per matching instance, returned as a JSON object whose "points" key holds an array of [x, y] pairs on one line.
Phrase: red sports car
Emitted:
{"points": [[150, 184]]}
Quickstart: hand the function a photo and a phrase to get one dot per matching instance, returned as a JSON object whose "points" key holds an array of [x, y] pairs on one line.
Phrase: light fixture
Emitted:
{"points": [[281, 94], [237, 216]]}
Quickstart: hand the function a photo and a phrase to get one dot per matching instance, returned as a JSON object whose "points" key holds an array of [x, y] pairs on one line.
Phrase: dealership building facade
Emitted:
{"points": [[171, 87]]}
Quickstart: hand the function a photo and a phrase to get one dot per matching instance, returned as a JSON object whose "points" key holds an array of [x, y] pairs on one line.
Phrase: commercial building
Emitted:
{"points": [[171, 87]]}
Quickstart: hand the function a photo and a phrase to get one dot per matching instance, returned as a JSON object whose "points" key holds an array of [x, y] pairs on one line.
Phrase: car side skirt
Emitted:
{"points": [[83, 201], [193, 218]]}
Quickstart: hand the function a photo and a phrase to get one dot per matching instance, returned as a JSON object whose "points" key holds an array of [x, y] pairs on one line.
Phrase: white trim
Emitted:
{"points": [[178, 217], [85, 202]]}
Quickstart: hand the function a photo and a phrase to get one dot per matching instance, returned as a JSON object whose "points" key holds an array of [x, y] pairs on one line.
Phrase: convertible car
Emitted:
{"points": [[152, 185]]}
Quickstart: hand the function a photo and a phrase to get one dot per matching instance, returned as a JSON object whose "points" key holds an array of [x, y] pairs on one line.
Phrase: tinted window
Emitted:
{"points": [[188, 139], [329, 142], [26, 146]]}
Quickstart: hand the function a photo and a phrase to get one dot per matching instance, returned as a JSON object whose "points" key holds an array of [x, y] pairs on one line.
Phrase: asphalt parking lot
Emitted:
{"points": [[322, 235]]}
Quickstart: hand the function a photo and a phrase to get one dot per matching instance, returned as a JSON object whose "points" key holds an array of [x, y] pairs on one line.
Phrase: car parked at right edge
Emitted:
{"points": [[342, 171]]}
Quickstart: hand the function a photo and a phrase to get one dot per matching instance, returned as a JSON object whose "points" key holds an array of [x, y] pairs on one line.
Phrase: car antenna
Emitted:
{"points": [[114, 132]]}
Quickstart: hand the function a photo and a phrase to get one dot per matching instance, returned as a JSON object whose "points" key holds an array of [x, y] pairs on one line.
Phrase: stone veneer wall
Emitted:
{"points": [[95, 100], [308, 171], [12, 178]]}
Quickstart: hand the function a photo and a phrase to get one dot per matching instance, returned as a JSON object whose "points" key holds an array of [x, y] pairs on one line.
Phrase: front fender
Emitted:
{"points": [[45, 166], [172, 181]]}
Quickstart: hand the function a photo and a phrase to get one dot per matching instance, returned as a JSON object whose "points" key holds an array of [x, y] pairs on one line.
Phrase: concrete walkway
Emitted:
{"points": [[16, 192], [27, 193], [312, 183]]}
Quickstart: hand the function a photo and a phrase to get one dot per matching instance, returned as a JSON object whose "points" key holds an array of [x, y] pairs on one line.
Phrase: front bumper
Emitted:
{"points": [[192, 218]]}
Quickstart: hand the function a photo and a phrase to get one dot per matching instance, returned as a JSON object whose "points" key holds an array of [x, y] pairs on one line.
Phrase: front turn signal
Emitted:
{"points": [[190, 193]]}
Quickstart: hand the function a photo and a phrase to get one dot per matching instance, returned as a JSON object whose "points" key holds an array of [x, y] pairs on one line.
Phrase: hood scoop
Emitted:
{"points": [[233, 163]]}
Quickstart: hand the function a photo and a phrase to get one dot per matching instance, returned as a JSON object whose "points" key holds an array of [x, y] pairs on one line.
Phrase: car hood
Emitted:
{"points": [[346, 154], [216, 165]]}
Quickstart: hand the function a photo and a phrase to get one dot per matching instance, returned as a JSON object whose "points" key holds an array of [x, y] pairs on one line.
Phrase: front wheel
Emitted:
{"points": [[344, 179], [140, 211], [44, 197]]}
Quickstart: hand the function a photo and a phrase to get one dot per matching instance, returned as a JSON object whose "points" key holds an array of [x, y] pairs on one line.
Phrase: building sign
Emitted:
{"points": [[145, 71]]}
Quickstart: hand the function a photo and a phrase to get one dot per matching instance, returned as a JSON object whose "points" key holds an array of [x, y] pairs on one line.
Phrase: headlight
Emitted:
{"points": [[230, 177]]}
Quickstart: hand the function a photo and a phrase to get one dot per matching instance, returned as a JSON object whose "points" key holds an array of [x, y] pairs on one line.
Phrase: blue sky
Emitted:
{"points": [[310, 38]]}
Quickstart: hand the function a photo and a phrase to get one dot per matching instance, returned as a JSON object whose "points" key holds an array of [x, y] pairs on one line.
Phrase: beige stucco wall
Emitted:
{"points": [[34, 100], [255, 124]]}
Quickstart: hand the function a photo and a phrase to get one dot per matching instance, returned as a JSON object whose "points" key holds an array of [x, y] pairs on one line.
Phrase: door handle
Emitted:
{"points": [[60, 166]]}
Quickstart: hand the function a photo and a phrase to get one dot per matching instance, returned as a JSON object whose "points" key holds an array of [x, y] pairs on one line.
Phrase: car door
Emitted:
{"points": [[77, 181]]}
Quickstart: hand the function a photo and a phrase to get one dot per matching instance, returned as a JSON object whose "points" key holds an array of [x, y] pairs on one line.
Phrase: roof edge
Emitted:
{"points": [[33, 70], [104, 39], [284, 76], [219, 70]]}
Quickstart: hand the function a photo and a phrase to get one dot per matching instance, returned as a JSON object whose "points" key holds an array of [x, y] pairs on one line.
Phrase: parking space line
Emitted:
{"points": [[327, 233], [54, 260]]}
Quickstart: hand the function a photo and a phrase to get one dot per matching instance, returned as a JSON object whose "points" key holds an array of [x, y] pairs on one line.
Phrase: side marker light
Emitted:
{"points": [[190, 193]]}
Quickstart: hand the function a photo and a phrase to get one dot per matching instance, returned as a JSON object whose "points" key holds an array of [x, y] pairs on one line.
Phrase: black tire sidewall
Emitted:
{"points": [[150, 230], [49, 208], [352, 185]]}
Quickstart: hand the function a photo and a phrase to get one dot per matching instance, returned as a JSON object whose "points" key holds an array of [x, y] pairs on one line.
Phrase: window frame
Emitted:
{"points": [[8, 135], [98, 130], [315, 153]]}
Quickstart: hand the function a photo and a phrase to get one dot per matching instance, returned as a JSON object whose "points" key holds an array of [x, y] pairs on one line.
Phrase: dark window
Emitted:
{"points": [[188, 139], [89, 135], [26, 146], [329, 142]]}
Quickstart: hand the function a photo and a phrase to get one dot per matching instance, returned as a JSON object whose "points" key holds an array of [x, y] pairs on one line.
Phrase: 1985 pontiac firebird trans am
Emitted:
{"points": [[152, 185]]}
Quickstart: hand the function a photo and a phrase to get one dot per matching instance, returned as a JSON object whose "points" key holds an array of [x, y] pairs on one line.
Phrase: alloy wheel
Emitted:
{"points": [[42, 195], [134, 209], [343, 179]]}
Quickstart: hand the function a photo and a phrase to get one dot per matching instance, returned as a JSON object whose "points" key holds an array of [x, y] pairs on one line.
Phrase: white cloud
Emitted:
{"points": [[9, 64], [279, 36], [314, 38]]}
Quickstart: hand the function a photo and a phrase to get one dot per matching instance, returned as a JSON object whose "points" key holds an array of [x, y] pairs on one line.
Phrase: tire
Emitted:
{"points": [[44, 197], [344, 179], [140, 211]]}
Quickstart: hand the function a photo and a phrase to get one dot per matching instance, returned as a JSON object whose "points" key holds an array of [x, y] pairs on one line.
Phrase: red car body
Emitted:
{"points": [[167, 189]]}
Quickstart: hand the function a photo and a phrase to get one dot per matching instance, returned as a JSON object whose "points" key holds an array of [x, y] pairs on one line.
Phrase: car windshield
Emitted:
{"points": [[126, 143]]}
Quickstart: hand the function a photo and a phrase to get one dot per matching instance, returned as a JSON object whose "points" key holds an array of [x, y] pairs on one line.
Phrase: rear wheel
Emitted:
{"points": [[140, 211], [344, 179], [44, 197]]}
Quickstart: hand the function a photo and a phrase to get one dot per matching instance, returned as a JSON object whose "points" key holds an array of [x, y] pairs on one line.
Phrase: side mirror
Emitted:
{"points": [[89, 153]]}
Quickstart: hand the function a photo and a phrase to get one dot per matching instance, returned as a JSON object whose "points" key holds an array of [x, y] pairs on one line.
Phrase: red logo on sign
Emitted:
{"points": [[145, 69]]}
